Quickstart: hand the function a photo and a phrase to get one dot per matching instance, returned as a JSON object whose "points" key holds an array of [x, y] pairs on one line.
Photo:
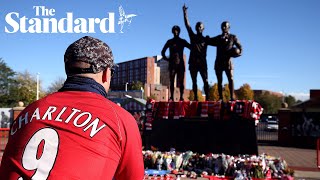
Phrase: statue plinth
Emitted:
{"points": [[18, 109]]}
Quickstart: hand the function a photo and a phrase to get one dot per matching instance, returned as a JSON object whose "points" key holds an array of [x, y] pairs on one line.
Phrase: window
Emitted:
{"points": [[131, 64], [136, 64]]}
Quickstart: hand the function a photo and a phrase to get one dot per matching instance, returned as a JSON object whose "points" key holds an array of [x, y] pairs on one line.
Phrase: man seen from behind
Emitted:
{"points": [[76, 133]]}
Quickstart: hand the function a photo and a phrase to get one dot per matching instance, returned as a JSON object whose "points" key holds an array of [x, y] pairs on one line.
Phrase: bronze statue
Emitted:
{"points": [[176, 61], [198, 55], [228, 46]]}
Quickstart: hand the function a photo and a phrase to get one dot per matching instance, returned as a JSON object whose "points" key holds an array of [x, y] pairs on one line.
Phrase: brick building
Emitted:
{"points": [[152, 72]]}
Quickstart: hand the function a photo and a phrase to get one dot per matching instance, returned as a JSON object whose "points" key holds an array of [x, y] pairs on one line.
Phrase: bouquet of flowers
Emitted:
{"points": [[194, 165]]}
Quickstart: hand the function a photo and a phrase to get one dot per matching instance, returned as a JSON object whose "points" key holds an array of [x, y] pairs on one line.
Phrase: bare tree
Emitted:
{"points": [[55, 85]]}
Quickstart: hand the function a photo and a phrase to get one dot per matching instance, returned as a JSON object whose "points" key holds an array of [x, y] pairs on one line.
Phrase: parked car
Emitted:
{"points": [[272, 123]]}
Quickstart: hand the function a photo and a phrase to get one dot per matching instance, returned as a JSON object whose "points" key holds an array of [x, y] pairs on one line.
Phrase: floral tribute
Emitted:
{"points": [[173, 165]]}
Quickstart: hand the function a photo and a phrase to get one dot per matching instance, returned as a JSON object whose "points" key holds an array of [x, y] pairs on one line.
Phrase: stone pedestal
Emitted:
{"points": [[285, 129], [18, 109]]}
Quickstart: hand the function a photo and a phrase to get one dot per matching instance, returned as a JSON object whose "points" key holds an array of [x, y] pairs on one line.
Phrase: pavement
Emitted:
{"points": [[302, 161]]}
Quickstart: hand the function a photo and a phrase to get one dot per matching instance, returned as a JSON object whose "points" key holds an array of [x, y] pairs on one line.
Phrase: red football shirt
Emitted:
{"points": [[73, 135]]}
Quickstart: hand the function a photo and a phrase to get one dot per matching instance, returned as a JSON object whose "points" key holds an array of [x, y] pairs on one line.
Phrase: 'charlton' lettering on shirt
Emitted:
{"points": [[51, 112]]}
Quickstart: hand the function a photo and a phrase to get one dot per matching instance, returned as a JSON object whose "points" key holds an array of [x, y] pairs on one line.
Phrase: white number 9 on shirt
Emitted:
{"points": [[45, 162]]}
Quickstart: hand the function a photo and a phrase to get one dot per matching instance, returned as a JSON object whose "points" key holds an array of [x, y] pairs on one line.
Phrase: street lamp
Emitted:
{"points": [[38, 86], [127, 86], [142, 91]]}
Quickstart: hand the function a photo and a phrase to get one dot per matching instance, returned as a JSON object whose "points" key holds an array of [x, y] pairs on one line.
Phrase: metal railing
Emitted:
{"points": [[318, 153], [4, 135]]}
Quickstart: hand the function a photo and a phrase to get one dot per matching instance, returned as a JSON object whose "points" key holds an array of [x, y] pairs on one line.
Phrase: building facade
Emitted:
{"points": [[152, 72], [299, 125], [144, 70]]}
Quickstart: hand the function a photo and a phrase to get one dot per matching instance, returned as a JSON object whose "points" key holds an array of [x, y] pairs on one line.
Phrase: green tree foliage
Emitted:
{"points": [[6, 77], [15, 87], [213, 92], [25, 89], [226, 92], [270, 102], [6, 82], [290, 100], [137, 85], [245, 92], [200, 97], [191, 96], [151, 97], [56, 85]]}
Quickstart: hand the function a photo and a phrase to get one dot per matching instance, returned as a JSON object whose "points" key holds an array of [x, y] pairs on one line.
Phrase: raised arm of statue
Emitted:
{"points": [[186, 20]]}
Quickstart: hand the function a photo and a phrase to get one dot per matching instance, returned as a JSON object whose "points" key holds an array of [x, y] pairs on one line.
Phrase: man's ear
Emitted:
{"points": [[105, 75]]}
